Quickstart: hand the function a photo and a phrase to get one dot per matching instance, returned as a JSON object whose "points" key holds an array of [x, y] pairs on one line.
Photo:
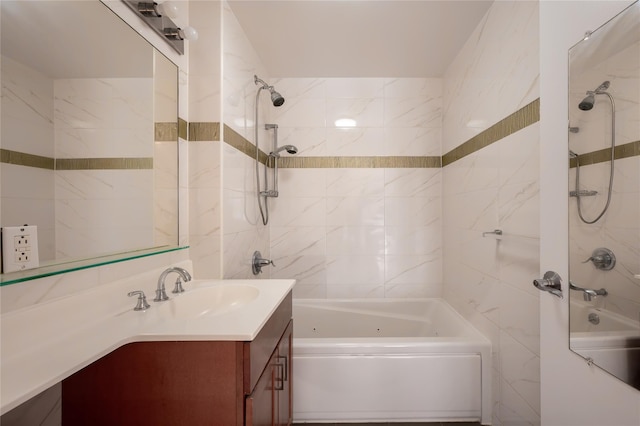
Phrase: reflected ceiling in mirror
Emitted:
{"points": [[88, 137], [604, 237]]}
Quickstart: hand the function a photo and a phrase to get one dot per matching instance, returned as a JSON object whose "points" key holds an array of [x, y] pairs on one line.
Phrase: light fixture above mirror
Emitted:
{"points": [[159, 17]]}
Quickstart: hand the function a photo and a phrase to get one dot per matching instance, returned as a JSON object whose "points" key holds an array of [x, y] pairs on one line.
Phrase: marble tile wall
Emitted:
{"points": [[68, 128], [28, 192], [489, 280], [243, 229], [93, 119], [204, 147], [165, 152], [165, 194], [359, 232], [619, 228]]}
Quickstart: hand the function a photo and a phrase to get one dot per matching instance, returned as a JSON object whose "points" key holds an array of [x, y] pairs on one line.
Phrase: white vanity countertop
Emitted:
{"points": [[44, 344]]}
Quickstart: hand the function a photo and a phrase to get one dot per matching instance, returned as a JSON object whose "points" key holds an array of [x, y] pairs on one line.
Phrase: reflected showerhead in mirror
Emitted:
{"points": [[588, 102], [276, 98]]}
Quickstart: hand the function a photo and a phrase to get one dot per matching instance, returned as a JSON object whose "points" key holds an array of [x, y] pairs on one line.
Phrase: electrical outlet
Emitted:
{"points": [[19, 248]]}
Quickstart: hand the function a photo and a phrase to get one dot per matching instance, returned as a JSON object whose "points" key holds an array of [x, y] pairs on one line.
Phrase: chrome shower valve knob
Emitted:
{"points": [[258, 262], [603, 259]]}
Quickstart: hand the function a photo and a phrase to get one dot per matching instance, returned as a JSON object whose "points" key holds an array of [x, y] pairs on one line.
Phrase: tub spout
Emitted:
{"points": [[588, 293]]}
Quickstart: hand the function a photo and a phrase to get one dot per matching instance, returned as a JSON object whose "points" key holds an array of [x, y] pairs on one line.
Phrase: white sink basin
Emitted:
{"points": [[195, 303]]}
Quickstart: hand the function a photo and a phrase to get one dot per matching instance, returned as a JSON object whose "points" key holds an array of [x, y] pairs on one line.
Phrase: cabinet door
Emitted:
{"points": [[260, 408], [283, 379], [270, 402]]}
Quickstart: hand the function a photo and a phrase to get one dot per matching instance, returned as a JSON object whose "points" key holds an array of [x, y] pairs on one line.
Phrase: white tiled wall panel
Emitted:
{"points": [[359, 232], [485, 279]]}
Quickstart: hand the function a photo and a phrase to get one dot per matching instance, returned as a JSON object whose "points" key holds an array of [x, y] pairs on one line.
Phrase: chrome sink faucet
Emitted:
{"points": [[161, 293]]}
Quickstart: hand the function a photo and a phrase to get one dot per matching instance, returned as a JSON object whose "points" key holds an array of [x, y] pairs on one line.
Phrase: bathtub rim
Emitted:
{"points": [[475, 334]]}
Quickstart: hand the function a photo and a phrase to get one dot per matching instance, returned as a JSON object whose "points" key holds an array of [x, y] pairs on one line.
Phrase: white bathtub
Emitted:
{"points": [[388, 360]]}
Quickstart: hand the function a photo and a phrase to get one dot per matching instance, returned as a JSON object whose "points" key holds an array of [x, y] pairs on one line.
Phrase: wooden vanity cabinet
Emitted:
{"points": [[269, 403], [212, 383]]}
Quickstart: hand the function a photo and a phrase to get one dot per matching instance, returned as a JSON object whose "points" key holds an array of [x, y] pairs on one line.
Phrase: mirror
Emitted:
{"points": [[88, 138], [604, 204]]}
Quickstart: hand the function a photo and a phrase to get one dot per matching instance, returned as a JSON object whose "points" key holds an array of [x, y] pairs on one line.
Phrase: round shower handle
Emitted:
{"points": [[602, 259], [258, 262]]}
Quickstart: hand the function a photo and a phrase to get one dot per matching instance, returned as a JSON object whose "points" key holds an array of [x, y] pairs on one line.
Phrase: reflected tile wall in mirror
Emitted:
{"points": [[612, 53]]}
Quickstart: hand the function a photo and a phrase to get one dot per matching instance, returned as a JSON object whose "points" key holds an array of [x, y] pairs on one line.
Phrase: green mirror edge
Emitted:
{"points": [[58, 269]]}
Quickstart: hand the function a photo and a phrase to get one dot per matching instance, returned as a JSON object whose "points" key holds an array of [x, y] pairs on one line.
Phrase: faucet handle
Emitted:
{"points": [[141, 304], [178, 286]]}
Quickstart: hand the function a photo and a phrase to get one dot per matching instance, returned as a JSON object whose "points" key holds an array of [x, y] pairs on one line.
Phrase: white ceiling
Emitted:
{"points": [[361, 38], [73, 39]]}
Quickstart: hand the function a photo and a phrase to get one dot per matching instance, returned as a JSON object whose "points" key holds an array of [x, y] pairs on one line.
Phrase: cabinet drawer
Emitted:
{"points": [[256, 353]]}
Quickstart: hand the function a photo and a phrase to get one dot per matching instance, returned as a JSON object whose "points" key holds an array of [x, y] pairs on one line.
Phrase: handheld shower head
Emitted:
{"points": [[289, 148]]}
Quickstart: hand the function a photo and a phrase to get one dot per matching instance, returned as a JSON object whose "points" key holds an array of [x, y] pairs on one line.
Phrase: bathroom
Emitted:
{"points": [[385, 230]]}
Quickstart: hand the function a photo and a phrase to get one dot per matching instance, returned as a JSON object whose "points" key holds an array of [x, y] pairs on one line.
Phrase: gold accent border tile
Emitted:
{"points": [[240, 143], [183, 129], [631, 149], [24, 159], [209, 131], [525, 116], [166, 132], [243, 145], [392, 162], [104, 163]]}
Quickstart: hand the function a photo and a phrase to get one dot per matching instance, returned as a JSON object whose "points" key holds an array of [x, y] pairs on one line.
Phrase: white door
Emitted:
{"points": [[572, 392]]}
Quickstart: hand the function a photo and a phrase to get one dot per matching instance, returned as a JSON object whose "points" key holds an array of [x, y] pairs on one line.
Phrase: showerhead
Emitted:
{"points": [[588, 102], [276, 98], [289, 148]]}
